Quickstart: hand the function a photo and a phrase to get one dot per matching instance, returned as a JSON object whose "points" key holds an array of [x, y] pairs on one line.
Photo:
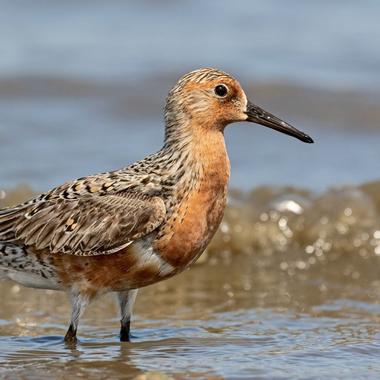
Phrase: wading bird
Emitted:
{"points": [[122, 230]]}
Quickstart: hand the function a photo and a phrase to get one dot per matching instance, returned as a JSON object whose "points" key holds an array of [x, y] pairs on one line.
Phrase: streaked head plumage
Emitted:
{"points": [[210, 99], [208, 96]]}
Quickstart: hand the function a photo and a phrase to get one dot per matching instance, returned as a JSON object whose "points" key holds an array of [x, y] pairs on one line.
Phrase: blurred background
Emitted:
{"points": [[291, 278], [83, 84]]}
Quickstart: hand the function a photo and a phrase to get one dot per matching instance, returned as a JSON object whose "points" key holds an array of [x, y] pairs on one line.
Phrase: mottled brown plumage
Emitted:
{"points": [[121, 230], [86, 225]]}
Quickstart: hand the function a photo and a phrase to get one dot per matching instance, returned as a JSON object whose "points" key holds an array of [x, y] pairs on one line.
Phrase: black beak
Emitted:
{"points": [[258, 115]]}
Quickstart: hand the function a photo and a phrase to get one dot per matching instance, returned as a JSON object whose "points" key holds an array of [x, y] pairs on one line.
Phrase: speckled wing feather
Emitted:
{"points": [[87, 225]]}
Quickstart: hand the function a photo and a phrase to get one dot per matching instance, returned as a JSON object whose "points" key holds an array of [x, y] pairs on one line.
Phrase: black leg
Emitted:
{"points": [[125, 335], [126, 301], [79, 303], [71, 335]]}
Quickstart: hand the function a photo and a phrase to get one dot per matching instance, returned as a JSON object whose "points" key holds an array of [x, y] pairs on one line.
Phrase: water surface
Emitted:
{"points": [[230, 321], [289, 287]]}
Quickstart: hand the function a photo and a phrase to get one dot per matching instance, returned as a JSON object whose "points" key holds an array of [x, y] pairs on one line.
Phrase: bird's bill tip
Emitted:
{"points": [[256, 114]]}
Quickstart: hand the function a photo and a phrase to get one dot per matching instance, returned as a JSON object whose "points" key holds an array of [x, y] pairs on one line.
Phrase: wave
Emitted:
{"points": [[268, 221]]}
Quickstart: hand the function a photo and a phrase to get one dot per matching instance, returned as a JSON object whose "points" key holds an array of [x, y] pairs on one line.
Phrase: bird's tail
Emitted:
{"points": [[8, 219]]}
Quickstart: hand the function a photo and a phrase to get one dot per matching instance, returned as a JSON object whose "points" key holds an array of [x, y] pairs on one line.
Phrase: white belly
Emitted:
{"points": [[26, 270], [30, 280]]}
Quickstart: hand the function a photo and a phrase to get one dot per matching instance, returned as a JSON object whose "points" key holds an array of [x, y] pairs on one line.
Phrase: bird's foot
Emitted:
{"points": [[71, 336], [125, 334]]}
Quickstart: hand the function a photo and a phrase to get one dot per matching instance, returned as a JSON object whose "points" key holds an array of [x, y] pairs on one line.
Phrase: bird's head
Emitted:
{"points": [[210, 98]]}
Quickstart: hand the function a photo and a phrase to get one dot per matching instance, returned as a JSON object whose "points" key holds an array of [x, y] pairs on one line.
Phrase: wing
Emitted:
{"points": [[87, 226]]}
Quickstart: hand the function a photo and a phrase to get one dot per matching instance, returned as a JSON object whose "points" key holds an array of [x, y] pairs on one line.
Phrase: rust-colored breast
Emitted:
{"points": [[198, 219], [185, 236], [179, 242], [190, 229]]}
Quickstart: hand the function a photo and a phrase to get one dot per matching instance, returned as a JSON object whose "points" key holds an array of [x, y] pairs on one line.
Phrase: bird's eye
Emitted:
{"points": [[221, 90]]}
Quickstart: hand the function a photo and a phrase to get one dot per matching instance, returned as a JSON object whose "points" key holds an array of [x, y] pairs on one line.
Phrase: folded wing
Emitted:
{"points": [[86, 226]]}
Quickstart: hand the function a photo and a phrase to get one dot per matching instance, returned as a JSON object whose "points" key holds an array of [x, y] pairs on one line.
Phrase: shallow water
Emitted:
{"points": [[289, 288], [225, 321]]}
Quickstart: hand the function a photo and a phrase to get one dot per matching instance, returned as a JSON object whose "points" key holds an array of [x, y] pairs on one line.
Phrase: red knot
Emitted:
{"points": [[122, 230]]}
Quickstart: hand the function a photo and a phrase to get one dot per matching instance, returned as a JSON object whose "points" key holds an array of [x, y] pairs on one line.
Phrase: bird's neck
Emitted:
{"points": [[196, 202], [198, 153]]}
